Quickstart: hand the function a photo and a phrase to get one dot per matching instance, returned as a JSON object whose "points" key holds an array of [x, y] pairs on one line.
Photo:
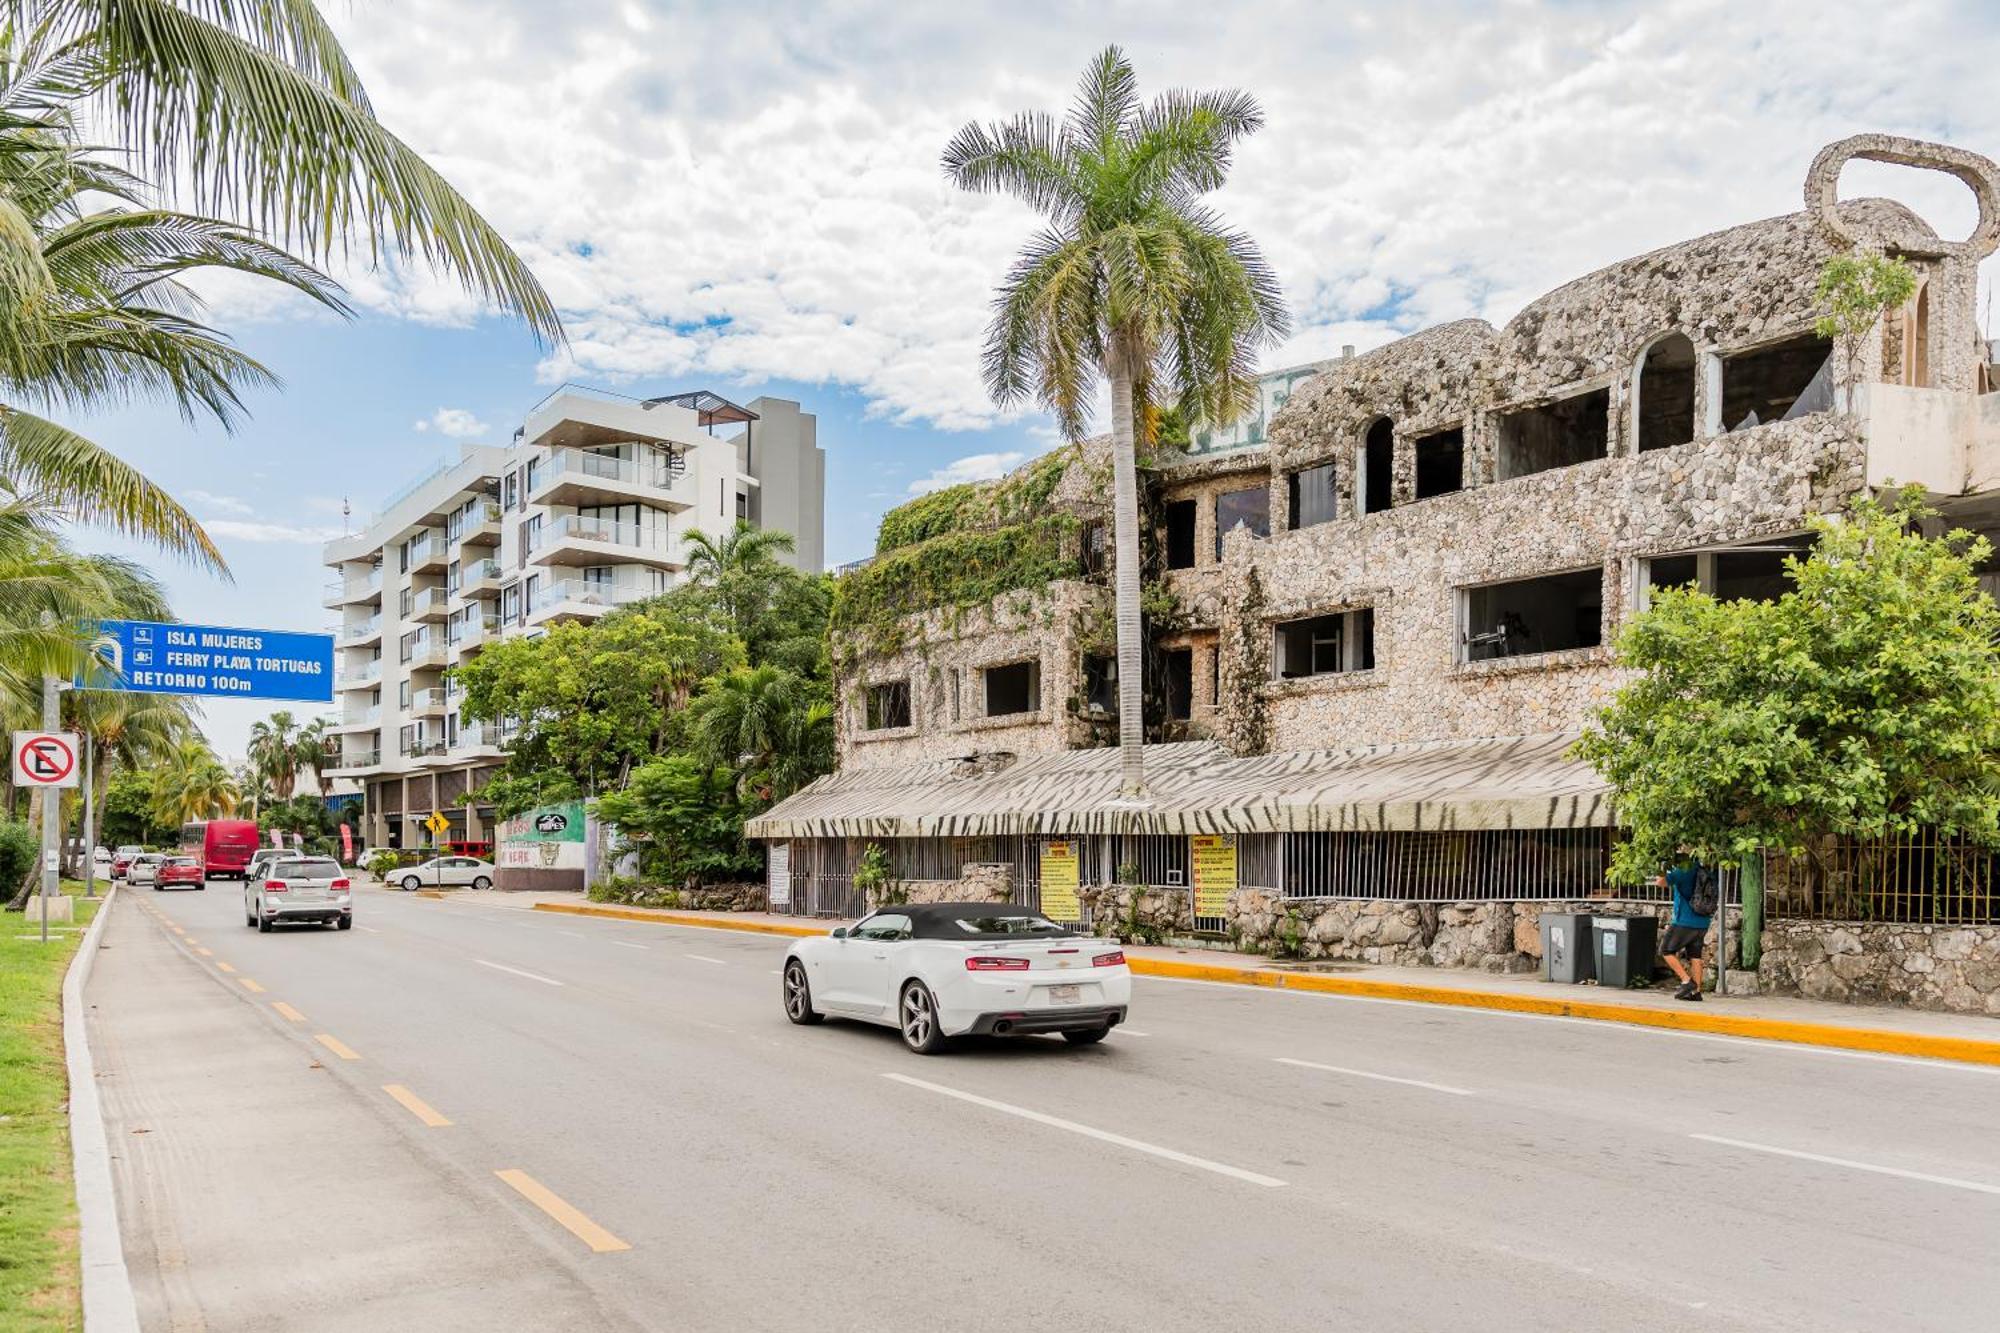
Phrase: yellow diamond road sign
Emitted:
{"points": [[437, 823]]}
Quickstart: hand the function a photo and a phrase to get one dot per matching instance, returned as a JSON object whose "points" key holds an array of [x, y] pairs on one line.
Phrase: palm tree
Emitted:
{"points": [[741, 568], [311, 751], [193, 784], [274, 753], [1132, 279], [770, 727]]}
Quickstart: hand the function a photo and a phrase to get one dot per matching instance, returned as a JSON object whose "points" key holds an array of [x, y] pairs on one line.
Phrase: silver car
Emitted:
{"points": [[145, 868], [445, 872], [305, 888]]}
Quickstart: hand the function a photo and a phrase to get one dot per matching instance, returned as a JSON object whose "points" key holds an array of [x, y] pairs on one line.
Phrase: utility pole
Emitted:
{"points": [[89, 814], [51, 807]]}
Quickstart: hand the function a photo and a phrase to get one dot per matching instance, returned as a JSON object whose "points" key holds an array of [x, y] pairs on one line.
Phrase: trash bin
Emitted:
{"points": [[1566, 948], [1625, 949]]}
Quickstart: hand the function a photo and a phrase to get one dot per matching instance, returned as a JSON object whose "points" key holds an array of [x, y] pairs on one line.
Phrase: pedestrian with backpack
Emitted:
{"points": [[1696, 899]]}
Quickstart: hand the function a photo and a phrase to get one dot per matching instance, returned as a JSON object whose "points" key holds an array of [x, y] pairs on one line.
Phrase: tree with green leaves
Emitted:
{"points": [[682, 818], [273, 752], [193, 784], [1855, 289], [1862, 703], [1134, 280], [770, 728]]}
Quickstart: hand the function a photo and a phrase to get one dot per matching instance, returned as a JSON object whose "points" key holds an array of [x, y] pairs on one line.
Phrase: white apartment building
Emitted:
{"points": [[588, 509]]}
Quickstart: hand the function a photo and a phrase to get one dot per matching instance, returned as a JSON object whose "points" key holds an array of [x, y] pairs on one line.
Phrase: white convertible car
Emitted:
{"points": [[941, 970]]}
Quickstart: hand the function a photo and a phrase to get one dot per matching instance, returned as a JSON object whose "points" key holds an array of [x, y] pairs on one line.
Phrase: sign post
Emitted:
{"points": [[437, 824], [47, 760]]}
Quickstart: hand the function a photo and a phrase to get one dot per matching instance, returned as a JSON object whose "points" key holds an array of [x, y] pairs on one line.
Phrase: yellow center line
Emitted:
{"points": [[251, 986], [585, 1230], [289, 1012], [416, 1105], [337, 1046], [206, 953], [224, 967]]}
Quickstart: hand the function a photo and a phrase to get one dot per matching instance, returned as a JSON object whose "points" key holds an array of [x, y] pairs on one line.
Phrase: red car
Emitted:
{"points": [[181, 870]]}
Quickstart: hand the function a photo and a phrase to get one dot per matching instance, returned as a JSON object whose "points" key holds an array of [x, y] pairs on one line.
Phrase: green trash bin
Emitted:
{"points": [[1625, 950]]}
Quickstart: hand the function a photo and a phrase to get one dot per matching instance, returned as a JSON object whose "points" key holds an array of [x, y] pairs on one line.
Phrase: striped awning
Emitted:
{"points": [[1522, 782]]}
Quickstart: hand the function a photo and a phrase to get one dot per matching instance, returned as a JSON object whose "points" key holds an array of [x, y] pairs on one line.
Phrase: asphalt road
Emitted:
{"points": [[680, 1157]]}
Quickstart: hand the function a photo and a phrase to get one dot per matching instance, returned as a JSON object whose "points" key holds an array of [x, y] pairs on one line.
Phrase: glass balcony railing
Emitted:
{"points": [[361, 675], [367, 717], [360, 759], [423, 701], [478, 571], [367, 629], [570, 464], [349, 590], [586, 593], [575, 527]]}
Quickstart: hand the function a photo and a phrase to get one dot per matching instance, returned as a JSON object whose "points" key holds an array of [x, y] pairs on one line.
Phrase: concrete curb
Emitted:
{"points": [[108, 1304], [1879, 1041]]}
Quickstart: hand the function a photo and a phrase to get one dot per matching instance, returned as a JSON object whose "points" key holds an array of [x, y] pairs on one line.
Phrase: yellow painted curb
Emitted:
{"points": [[1966, 1050], [430, 893]]}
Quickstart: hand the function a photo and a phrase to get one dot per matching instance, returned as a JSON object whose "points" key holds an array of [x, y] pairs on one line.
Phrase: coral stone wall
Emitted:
{"points": [[1953, 968]]}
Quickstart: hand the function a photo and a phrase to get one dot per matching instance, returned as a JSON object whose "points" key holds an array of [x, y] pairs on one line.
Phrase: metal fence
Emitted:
{"points": [[1917, 880], [1479, 865]]}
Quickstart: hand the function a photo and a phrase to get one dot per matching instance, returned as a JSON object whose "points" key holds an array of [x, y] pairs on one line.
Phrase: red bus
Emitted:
{"points": [[224, 846]]}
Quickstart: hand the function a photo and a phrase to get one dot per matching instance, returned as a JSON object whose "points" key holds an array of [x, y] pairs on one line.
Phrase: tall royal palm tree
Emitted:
{"points": [[274, 752], [1133, 280], [310, 753], [193, 784]]}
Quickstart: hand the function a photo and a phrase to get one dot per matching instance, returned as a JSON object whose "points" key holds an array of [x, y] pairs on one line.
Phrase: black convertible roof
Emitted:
{"points": [[936, 921]]}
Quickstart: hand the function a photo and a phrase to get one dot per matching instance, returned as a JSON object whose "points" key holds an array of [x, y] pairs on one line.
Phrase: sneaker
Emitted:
{"points": [[1694, 993], [1686, 989]]}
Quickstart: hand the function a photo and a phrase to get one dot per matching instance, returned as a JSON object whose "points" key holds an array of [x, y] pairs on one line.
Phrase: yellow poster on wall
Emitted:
{"points": [[1059, 880], [1214, 860]]}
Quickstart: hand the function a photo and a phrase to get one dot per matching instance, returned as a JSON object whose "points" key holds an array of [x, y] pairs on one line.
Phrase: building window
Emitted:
{"points": [[403, 693], [1440, 463], [1324, 645], [1554, 435], [1215, 677], [1730, 575], [888, 705], [510, 602], [531, 532], [1100, 685], [513, 485], [1778, 382], [1180, 534], [1177, 683], [1310, 494], [957, 682], [1663, 415], [1246, 510], [1378, 467], [528, 482], [1551, 614], [1095, 548], [1014, 688]]}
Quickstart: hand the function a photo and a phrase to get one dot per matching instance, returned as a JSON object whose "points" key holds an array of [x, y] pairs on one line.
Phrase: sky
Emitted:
{"points": [[746, 197]]}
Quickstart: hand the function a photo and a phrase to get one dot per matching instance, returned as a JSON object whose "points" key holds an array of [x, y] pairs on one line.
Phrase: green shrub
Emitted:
{"points": [[18, 855]]}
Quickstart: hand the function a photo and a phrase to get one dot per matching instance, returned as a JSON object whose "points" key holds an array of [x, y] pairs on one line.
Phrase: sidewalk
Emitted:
{"points": [[1875, 1028]]}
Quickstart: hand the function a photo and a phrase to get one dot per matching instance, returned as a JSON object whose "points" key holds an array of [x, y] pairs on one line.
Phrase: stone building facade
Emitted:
{"points": [[1443, 536]]}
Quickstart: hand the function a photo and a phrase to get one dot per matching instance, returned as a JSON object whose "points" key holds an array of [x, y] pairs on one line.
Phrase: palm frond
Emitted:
{"points": [[1106, 102], [1185, 141], [1025, 157]]}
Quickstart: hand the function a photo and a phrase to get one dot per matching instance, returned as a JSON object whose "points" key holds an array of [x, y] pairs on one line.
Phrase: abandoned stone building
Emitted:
{"points": [[1372, 636]]}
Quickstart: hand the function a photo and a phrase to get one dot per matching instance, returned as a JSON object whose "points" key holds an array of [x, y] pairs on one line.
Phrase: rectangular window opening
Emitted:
{"points": [[1555, 435], [1552, 614], [1310, 492], [1440, 463], [1180, 534], [1014, 688], [1777, 383], [888, 705], [1100, 685], [1177, 682], [1325, 645], [1095, 547], [1246, 510]]}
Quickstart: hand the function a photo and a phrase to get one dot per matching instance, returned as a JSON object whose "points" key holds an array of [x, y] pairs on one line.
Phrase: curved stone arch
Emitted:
{"points": [[1635, 391], [1979, 174], [1375, 464]]}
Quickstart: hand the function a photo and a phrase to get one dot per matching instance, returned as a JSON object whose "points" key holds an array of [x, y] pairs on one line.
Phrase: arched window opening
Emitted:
{"points": [[1917, 351], [1664, 412], [1378, 467]]}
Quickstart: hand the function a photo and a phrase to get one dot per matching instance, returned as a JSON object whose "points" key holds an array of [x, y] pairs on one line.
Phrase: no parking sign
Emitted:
{"points": [[45, 759]]}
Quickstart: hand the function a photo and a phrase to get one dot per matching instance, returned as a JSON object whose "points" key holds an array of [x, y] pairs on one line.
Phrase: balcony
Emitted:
{"points": [[580, 477], [578, 599], [344, 592], [575, 540], [425, 747], [477, 739], [470, 635], [480, 526], [369, 719], [362, 635], [480, 578], [429, 703], [425, 652], [357, 761], [428, 554], [361, 677], [426, 604]]}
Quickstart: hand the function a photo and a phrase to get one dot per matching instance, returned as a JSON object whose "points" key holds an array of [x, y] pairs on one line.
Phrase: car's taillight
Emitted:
{"points": [[339, 886], [988, 963], [274, 886], [1115, 959]]}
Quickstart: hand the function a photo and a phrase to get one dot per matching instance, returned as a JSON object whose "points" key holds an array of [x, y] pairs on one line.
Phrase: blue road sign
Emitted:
{"points": [[150, 657]]}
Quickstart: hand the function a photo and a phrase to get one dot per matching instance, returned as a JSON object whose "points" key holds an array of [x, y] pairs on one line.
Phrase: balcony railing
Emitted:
{"points": [[425, 700], [478, 571], [575, 527], [367, 717], [360, 759], [361, 675], [472, 631], [606, 467], [367, 629], [424, 749], [354, 590], [474, 519], [421, 648], [587, 594]]}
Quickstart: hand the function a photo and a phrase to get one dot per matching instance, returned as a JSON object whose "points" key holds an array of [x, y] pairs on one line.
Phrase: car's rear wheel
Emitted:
{"points": [[1086, 1036], [264, 925], [347, 923], [798, 995], [918, 1013], [482, 883]]}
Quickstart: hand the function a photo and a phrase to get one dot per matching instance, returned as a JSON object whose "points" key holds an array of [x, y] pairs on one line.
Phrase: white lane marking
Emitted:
{"points": [[1953, 1181], [1592, 1024], [1123, 1031], [1379, 1078], [704, 958], [1101, 1135], [572, 934], [371, 930], [624, 944], [502, 967]]}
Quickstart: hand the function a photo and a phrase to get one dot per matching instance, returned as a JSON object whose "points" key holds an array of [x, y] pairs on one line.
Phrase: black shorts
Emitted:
{"points": [[1684, 940]]}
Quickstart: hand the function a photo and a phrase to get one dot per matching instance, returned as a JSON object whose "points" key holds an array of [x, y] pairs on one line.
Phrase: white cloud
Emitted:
{"points": [[973, 467], [781, 213], [453, 422], [245, 530], [226, 504]]}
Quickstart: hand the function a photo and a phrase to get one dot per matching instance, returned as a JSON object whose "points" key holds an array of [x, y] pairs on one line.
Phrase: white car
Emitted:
{"points": [[144, 868], [300, 888], [935, 971], [445, 872]]}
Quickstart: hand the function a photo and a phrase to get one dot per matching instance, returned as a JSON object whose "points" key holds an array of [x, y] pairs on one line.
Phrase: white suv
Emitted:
{"points": [[306, 888]]}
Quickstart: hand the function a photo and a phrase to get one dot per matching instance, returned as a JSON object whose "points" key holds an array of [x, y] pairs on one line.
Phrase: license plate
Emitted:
{"points": [[1065, 994]]}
